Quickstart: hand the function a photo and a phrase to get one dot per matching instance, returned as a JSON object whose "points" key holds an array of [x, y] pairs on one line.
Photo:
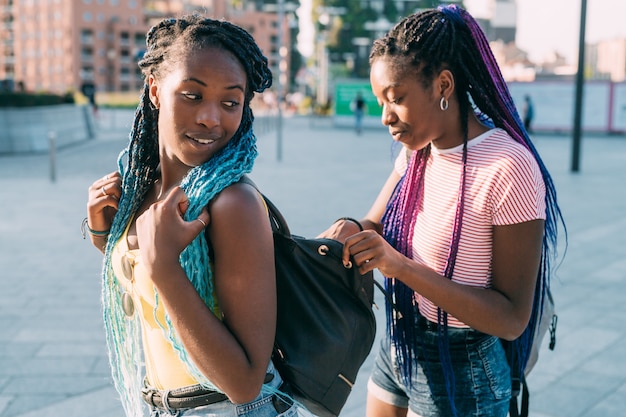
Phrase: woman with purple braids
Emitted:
{"points": [[463, 230]]}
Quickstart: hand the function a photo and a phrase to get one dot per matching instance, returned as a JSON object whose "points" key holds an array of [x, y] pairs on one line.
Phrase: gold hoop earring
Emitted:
{"points": [[443, 104]]}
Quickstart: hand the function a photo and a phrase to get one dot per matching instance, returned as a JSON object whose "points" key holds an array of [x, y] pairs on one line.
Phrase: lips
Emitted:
{"points": [[396, 133], [203, 141], [203, 138]]}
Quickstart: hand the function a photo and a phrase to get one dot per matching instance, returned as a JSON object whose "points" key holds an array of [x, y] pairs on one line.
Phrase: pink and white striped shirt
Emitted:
{"points": [[504, 186]]}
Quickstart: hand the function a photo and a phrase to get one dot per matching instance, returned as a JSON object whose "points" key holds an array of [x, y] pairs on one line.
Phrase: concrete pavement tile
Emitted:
{"points": [[569, 294], [610, 362], [35, 333], [607, 296], [572, 396], [580, 345], [613, 405], [5, 400], [47, 367], [55, 384], [10, 326], [56, 350], [101, 366], [10, 349], [541, 379], [103, 402], [28, 403]]}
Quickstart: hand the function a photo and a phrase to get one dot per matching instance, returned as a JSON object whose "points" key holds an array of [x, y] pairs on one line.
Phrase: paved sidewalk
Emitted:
{"points": [[52, 349]]}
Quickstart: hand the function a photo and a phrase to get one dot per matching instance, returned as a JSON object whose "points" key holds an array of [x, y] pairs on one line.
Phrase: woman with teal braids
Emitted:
{"points": [[188, 278], [464, 229]]}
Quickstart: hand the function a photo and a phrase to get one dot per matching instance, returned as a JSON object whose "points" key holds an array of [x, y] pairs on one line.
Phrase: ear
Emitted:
{"points": [[445, 84], [153, 91]]}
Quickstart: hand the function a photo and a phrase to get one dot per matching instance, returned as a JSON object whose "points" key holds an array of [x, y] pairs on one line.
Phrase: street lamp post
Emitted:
{"points": [[580, 76]]}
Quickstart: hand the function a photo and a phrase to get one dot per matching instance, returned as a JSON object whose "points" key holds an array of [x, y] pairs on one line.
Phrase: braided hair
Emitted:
{"points": [[423, 45], [168, 42]]}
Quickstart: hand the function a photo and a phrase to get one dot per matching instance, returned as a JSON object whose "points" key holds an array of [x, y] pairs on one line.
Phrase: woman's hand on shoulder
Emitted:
{"points": [[163, 233], [340, 230], [102, 204]]}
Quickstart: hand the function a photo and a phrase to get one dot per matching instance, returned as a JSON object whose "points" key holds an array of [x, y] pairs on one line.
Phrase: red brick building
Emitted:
{"points": [[61, 45]]}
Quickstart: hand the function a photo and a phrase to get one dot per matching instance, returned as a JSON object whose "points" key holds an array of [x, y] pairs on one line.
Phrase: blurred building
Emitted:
{"points": [[7, 56], [68, 45], [513, 62], [497, 18], [609, 58]]}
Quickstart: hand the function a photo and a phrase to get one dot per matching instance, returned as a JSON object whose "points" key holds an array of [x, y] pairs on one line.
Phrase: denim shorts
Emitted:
{"points": [[265, 405], [481, 373]]}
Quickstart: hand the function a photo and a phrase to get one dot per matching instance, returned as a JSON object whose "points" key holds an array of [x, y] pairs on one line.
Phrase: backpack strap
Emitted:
{"points": [[519, 385]]}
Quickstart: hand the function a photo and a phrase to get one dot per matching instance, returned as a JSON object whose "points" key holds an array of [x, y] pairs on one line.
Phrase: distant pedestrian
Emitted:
{"points": [[529, 113], [359, 111], [189, 288]]}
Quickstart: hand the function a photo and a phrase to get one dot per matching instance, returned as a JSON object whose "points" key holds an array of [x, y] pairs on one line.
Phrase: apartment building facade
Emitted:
{"points": [[67, 45]]}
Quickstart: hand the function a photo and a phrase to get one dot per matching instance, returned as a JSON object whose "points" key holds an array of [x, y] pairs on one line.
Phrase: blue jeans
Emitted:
{"points": [[481, 373], [265, 405]]}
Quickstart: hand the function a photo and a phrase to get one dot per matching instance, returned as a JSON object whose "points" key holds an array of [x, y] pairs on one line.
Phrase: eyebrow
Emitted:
{"points": [[202, 83], [389, 86]]}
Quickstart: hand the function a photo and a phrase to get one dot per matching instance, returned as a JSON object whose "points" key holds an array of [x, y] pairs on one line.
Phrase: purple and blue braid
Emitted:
{"points": [[424, 44]]}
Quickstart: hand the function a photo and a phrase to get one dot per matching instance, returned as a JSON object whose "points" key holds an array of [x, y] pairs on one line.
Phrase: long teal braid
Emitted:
{"points": [[424, 44], [166, 41]]}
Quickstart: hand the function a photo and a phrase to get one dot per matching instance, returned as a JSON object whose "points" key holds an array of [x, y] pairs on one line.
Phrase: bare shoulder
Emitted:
{"points": [[240, 225], [238, 205], [238, 196]]}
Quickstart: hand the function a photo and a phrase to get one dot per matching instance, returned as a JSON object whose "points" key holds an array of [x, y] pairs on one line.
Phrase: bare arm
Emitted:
{"points": [[102, 203], [233, 353], [502, 310]]}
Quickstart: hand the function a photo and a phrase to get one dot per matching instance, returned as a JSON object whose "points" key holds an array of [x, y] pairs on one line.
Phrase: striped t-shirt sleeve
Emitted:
{"points": [[518, 193]]}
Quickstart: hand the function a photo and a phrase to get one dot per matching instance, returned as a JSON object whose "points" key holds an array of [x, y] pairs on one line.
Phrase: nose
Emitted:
{"points": [[208, 114], [388, 116]]}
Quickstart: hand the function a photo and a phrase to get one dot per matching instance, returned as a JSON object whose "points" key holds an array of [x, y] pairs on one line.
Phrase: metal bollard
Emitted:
{"points": [[52, 152]]}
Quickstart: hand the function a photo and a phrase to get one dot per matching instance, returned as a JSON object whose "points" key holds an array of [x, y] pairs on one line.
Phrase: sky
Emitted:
{"points": [[545, 26]]}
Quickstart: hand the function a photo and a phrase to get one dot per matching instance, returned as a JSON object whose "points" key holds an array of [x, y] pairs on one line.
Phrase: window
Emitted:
{"points": [[86, 73], [86, 54], [86, 36], [140, 39]]}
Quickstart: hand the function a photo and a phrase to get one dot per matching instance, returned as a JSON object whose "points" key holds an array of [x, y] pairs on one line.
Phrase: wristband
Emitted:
{"points": [[350, 219], [85, 227]]}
